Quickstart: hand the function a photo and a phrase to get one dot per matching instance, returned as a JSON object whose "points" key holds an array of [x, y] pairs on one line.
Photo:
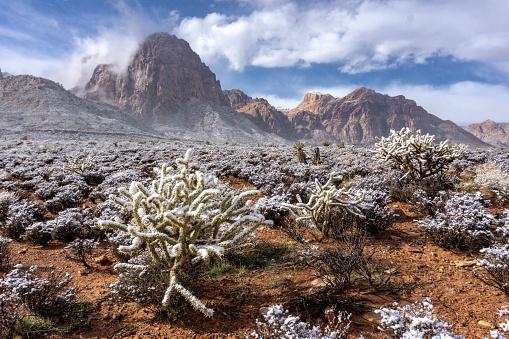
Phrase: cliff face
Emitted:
{"points": [[364, 114], [163, 74], [261, 113], [495, 134]]}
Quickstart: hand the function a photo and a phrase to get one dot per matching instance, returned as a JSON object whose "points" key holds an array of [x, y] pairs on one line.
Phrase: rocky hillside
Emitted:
{"points": [[31, 104], [162, 76], [495, 134], [365, 114], [261, 113]]}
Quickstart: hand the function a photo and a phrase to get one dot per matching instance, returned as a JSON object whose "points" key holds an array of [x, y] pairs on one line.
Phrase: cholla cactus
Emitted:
{"points": [[182, 220], [417, 155], [79, 165], [323, 199]]}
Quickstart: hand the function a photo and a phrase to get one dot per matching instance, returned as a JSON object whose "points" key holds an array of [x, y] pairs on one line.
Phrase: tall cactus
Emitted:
{"points": [[183, 220]]}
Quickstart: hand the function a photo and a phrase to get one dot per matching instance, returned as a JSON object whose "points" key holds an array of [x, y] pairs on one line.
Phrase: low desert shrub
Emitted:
{"points": [[20, 215], [416, 320], [183, 220], [461, 222], [495, 267], [277, 323], [5, 255], [6, 199], [81, 250], [335, 264], [40, 295], [11, 312], [68, 225], [39, 233]]}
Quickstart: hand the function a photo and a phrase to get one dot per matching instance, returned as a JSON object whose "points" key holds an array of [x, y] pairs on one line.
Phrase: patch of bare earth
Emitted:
{"points": [[419, 269]]}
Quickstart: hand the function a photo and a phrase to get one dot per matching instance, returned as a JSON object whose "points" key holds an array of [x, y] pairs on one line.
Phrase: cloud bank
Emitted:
{"points": [[359, 36]]}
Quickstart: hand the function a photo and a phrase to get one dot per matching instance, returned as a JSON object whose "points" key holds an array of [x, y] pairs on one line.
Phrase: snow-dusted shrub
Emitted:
{"points": [[279, 324], [68, 196], [183, 220], [68, 225], [80, 251], [415, 154], [20, 215], [39, 233], [6, 199], [5, 255], [42, 295], [504, 327], [271, 208], [416, 320], [503, 225], [462, 222], [10, 312], [495, 266], [324, 201]]}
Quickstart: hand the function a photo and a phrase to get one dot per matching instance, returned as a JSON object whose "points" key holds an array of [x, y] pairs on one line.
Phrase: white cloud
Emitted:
{"points": [[377, 35]]}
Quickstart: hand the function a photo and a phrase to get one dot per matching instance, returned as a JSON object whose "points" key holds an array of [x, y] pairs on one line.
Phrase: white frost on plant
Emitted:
{"points": [[414, 321], [182, 220]]}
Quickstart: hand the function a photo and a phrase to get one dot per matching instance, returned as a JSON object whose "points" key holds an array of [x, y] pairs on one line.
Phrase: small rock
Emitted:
{"points": [[395, 237], [318, 282], [264, 311], [485, 324], [23, 250], [441, 269], [413, 234], [106, 316], [102, 260], [414, 250], [83, 272], [465, 263], [373, 317]]}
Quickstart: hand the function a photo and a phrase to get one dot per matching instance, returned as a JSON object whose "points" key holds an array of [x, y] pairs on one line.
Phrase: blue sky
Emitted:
{"points": [[451, 57]]}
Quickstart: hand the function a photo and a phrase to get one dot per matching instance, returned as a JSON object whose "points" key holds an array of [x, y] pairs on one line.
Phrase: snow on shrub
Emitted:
{"points": [[495, 266], [42, 295], [279, 324], [461, 222], [413, 321], [5, 255], [183, 220], [20, 215]]}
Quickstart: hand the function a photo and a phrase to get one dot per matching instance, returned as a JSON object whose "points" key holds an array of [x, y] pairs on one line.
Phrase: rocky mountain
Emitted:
{"points": [[31, 104], [261, 113], [167, 86], [495, 134], [162, 76], [364, 114]]}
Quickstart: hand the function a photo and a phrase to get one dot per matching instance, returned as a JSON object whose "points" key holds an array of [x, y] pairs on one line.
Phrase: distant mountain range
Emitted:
{"points": [[167, 92]]}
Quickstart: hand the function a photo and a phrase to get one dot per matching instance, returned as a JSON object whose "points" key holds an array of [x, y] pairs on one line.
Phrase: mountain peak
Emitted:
{"points": [[162, 76]]}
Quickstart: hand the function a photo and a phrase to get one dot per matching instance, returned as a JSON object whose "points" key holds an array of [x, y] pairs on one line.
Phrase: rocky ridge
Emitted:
{"points": [[363, 115], [495, 134], [31, 104], [261, 113]]}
